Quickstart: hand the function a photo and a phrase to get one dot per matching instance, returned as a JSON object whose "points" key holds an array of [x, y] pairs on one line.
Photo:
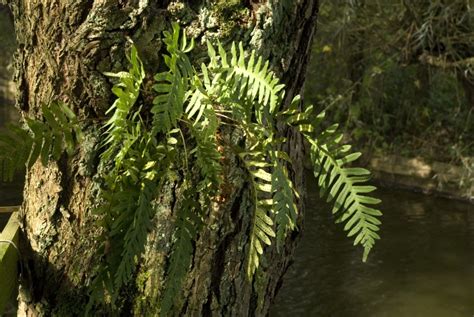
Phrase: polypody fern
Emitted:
{"points": [[46, 139], [140, 155]]}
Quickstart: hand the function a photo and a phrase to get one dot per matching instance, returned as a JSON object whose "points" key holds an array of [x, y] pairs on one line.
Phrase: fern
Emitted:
{"points": [[126, 207], [261, 230], [284, 196], [345, 186], [172, 85], [132, 156], [233, 88], [250, 80], [47, 140], [127, 91], [188, 224], [342, 184], [136, 153], [135, 238]]}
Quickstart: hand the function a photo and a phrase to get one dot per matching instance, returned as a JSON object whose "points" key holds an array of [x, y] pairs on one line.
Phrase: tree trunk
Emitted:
{"points": [[64, 48]]}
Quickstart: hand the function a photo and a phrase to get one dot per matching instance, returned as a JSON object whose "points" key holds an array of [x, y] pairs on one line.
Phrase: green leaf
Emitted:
{"points": [[341, 184]]}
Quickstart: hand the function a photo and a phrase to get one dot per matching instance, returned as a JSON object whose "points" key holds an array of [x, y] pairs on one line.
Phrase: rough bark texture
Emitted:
{"points": [[64, 46]]}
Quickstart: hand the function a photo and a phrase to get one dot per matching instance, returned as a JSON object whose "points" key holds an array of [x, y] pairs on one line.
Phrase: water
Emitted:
{"points": [[423, 266], [10, 195], [3, 220]]}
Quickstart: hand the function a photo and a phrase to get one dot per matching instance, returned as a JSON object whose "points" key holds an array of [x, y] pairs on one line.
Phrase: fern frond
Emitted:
{"points": [[172, 85], [254, 80], [261, 230], [21, 147], [207, 155], [345, 186], [127, 91], [341, 184], [248, 77], [135, 237], [187, 224], [284, 205]]}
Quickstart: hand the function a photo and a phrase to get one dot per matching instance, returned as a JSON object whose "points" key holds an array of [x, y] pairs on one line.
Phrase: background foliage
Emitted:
{"points": [[399, 74]]}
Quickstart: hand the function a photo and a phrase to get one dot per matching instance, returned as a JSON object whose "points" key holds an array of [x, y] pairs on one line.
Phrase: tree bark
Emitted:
{"points": [[64, 48]]}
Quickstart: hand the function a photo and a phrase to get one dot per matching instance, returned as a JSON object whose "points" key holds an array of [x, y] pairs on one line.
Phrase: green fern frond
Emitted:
{"points": [[21, 147], [207, 155], [284, 205], [187, 224], [172, 85], [127, 91], [261, 230], [136, 234], [341, 184], [247, 77], [254, 80], [345, 186]]}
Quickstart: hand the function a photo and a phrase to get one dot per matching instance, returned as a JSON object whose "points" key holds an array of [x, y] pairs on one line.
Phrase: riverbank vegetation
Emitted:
{"points": [[399, 75]]}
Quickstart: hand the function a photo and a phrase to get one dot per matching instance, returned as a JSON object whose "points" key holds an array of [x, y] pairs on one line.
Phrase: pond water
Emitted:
{"points": [[423, 266], [10, 195]]}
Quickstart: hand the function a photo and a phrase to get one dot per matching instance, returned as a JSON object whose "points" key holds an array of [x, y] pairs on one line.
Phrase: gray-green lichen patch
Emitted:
{"points": [[181, 12], [45, 235], [223, 20], [231, 16], [88, 152]]}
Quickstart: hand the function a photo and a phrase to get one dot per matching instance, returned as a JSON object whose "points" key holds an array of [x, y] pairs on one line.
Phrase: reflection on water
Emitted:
{"points": [[423, 266]]}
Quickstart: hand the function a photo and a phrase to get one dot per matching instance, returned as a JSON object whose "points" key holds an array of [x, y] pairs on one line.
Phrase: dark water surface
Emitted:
{"points": [[423, 266], [10, 195]]}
